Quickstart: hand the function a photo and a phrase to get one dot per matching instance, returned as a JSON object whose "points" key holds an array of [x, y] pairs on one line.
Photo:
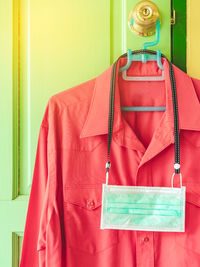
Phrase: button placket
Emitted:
{"points": [[144, 249]]}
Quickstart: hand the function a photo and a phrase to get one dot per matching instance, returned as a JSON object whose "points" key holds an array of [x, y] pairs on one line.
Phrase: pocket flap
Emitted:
{"points": [[90, 196], [85, 196]]}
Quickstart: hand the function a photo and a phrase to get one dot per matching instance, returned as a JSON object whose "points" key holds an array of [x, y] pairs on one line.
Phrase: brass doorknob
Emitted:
{"points": [[142, 18]]}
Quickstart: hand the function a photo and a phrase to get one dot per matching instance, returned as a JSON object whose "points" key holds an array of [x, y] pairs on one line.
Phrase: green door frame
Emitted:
{"points": [[179, 34]]}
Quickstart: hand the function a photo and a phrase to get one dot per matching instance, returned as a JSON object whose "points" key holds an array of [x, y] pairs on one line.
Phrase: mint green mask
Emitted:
{"points": [[143, 208]]}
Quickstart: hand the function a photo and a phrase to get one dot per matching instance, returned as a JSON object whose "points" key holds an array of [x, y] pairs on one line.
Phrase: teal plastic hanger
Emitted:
{"points": [[144, 58]]}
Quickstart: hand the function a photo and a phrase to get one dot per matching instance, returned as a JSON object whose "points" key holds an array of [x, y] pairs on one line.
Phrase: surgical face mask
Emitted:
{"points": [[143, 208]]}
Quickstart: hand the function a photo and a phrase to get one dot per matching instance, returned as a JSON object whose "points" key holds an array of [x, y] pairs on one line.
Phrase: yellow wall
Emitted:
{"points": [[193, 38]]}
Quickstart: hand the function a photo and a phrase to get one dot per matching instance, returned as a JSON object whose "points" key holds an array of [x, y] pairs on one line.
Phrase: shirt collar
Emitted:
{"points": [[96, 122]]}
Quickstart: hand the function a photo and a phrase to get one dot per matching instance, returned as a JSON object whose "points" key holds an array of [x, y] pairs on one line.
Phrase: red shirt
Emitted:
{"points": [[63, 220]]}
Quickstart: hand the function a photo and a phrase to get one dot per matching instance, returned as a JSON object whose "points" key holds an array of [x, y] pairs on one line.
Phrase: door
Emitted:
{"points": [[48, 47]]}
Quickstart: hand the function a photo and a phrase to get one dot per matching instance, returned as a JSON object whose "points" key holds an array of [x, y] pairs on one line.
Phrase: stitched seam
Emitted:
{"points": [[90, 108]]}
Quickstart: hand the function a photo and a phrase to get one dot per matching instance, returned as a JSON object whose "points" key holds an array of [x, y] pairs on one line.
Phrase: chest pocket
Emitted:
{"points": [[82, 209], [190, 238]]}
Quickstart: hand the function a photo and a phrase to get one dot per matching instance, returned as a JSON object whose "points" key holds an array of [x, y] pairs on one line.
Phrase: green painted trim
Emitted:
{"points": [[17, 239], [179, 34], [15, 250], [16, 104], [22, 198]]}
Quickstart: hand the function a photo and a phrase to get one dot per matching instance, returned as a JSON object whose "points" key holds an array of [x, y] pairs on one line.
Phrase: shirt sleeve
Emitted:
{"points": [[44, 240], [34, 240]]}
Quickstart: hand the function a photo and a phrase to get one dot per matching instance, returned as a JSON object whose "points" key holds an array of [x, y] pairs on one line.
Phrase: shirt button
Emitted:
{"points": [[146, 239], [90, 203]]}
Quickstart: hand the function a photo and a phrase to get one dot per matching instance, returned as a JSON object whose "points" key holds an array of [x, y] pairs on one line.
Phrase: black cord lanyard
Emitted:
{"points": [[175, 109]]}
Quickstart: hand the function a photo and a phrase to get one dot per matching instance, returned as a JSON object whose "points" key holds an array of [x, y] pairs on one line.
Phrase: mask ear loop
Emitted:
{"points": [[108, 164], [176, 167]]}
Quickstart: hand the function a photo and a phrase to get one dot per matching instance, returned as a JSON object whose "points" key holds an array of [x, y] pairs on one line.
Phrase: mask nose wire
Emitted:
{"points": [[175, 110]]}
